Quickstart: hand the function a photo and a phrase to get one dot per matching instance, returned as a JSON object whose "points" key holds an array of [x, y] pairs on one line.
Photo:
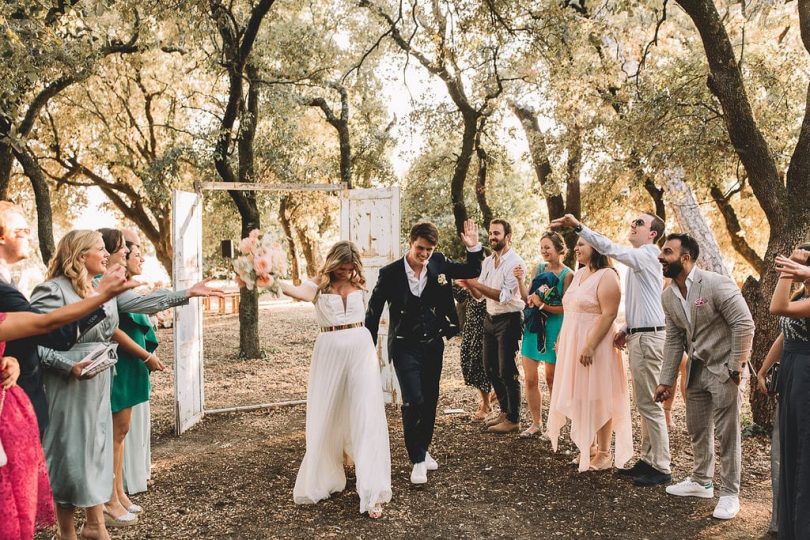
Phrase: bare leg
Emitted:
{"points": [[548, 370], [119, 503], [604, 458], [94, 527], [64, 519], [533, 396], [483, 405]]}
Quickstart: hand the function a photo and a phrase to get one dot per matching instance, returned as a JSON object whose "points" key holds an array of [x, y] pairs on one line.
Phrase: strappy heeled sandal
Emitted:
{"points": [[376, 511]]}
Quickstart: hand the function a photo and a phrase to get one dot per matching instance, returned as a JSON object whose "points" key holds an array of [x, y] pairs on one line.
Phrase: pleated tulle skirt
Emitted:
{"points": [[589, 396], [345, 413]]}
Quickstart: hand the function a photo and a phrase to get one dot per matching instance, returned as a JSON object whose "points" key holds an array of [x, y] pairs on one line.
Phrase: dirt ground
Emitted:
{"points": [[232, 475]]}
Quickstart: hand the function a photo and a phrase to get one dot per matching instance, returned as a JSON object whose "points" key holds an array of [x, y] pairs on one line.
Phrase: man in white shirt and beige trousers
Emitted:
{"points": [[643, 335]]}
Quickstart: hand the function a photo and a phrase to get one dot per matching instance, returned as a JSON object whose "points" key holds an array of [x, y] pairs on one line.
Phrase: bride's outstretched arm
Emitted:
{"points": [[305, 292]]}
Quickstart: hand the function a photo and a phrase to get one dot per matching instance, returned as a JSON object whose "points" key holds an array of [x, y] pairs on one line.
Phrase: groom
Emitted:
{"points": [[418, 291]]}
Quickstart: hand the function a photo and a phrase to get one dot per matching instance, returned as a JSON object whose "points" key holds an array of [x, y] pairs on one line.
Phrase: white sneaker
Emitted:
{"points": [[727, 507], [432, 464], [689, 488], [419, 473]]}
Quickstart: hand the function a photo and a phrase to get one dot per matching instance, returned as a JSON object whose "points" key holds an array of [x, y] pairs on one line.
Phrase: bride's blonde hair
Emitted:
{"points": [[344, 252], [67, 260]]}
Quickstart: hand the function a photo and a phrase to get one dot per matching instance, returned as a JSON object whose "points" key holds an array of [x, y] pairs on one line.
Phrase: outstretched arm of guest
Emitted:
{"points": [[306, 292]]}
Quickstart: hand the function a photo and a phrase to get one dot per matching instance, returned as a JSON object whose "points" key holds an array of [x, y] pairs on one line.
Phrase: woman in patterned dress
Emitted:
{"points": [[472, 351]]}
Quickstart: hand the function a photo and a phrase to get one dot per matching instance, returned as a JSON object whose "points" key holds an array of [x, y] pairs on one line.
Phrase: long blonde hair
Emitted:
{"points": [[66, 261], [343, 252]]}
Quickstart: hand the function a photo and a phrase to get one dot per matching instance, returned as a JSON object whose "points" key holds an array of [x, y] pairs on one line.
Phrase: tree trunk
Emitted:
{"points": [[542, 166], [42, 197], [311, 254], [481, 183], [462, 167], [657, 195], [237, 44], [691, 221], [288, 235], [6, 163], [734, 229]]}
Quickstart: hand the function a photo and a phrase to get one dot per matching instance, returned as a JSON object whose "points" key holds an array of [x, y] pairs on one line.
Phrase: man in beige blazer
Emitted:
{"points": [[707, 317]]}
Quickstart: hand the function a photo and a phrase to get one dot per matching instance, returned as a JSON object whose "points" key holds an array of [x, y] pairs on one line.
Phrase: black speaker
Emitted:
{"points": [[228, 250]]}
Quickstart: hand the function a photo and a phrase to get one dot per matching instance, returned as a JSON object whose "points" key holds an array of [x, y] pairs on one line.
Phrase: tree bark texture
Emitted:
{"points": [[292, 252], [691, 221]]}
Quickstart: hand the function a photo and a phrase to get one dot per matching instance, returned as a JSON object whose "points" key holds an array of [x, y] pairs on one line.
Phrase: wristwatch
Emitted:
{"points": [[578, 227]]}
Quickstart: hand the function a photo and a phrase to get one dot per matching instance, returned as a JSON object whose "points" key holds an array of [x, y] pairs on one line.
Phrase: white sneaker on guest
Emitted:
{"points": [[419, 473], [689, 488], [432, 464], [727, 507]]}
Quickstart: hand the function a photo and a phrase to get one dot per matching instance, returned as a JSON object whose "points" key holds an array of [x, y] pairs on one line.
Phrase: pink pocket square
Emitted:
{"points": [[699, 302]]}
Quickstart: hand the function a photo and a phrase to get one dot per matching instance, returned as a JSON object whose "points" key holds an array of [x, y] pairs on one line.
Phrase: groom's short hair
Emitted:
{"points": [[425, 230]]}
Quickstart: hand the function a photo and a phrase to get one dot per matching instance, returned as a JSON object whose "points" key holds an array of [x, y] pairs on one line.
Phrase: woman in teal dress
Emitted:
{"points": [[136, 358], [553, 250]]}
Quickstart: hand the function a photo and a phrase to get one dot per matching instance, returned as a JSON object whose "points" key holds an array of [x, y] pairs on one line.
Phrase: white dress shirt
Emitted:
{"points": [[677, 290], [417, 284], [503, 279], [644, 283]]}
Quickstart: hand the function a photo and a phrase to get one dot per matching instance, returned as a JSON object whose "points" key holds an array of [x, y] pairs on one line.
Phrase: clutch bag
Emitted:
{"points": [[772, 378]]}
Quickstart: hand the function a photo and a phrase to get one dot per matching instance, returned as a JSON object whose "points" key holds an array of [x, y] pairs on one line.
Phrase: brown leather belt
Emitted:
{"points": [[341, 327]]}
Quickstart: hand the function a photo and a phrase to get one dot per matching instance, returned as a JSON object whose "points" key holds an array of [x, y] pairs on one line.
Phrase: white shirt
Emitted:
{"points": [[417, 284], [503, 279], [644, 283], [677, 290]]}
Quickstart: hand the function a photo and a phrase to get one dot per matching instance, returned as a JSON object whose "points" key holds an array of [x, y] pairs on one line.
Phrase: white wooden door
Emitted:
{"points": [[188, 343], [370, 218]]}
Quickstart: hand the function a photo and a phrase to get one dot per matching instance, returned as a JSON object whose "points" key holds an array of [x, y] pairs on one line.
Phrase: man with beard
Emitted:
{"points": [[419, 294], [503, 326], [707, 317], [643, 335]]}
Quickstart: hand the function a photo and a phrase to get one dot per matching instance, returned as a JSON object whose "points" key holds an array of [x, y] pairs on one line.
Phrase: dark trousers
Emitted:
{"points": [[419, 368], [502, 335]]}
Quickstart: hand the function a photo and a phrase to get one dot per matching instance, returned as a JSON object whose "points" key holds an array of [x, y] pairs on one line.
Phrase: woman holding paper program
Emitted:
{"points": [[78, 441]]}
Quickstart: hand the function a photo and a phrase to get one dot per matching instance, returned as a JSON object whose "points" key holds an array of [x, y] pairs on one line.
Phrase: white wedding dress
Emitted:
{"points": [[345, 410]]}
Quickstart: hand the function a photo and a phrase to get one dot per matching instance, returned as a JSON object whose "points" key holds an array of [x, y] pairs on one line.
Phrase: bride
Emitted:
{"points": [[345, 408]]}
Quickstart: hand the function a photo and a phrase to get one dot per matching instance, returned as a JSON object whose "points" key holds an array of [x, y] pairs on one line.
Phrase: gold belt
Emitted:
{"points": [[341, 327]]}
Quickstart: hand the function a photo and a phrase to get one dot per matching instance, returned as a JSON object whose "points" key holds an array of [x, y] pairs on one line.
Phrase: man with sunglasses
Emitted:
{"points": [[643, 335]]}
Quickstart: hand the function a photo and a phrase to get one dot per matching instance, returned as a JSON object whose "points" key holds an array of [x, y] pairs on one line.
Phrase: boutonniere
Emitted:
{"points": [[699, 302], [442, 279]]}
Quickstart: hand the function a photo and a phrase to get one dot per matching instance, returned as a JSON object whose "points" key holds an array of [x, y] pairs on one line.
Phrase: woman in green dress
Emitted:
{"points": [[553, 250], [137, 343]]}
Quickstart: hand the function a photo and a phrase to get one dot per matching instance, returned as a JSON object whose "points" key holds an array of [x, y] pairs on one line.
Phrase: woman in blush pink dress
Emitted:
{"points": [[590, 384]]}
